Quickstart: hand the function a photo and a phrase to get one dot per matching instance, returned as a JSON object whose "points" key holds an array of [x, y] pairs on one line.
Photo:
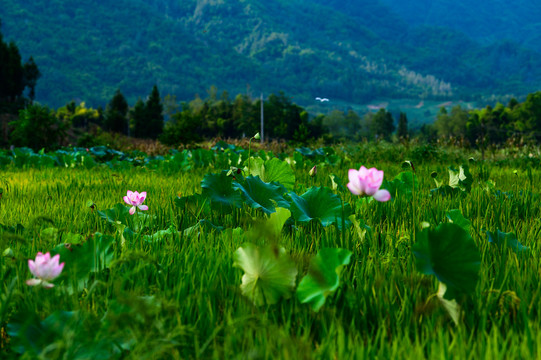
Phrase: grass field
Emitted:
{"points": [[161, 284]]}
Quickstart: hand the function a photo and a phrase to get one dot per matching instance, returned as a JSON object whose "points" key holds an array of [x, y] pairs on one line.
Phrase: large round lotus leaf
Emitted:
{"points": [[323, 276], [506, 239], [81, 259], [269, 273], [261, 195], [309, 152], [450, 253], [461, 178], [319, 203], [219, 189], [270, 228], [273, 170], [196, 204], [401, 185], [456, 217], [29, 335]]}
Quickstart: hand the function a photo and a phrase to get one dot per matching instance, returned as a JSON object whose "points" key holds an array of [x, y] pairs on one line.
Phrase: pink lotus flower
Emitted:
{"points": [[367, 182], [45, 269], [135, 199]]}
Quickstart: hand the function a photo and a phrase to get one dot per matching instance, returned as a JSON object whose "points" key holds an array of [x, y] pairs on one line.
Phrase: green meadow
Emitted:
{"points": [[243, 255]]}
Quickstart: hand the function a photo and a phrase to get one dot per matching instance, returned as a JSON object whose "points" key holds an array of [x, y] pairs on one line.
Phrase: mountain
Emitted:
{"points": [[355, 51], [486, 21]]}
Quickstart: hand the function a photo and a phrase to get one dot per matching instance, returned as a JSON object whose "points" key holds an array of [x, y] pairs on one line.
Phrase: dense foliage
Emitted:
{"points": [[486, 21], [221, 117], [208, 267], [15, 77], [356, 51], [493, 125]]}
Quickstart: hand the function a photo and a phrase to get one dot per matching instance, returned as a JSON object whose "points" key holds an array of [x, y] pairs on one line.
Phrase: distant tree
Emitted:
{"points": [[512, 103], [101, 116], [343, 125], [282, 117], [366, 126], [402, 130], [154, 113], [219, 115], [352, 124], [31, 75], [138, 120], [78, 116], [497, 122], [316, 127], [15, 77], [452, 124], [382, 124], [244, 115], [115, 114], [532, 114], [183, 128], [170, 105], [11, 72], [428, 133], [38, 127]]}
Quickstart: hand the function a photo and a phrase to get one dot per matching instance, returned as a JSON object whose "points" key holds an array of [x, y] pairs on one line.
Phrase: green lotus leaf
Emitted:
{"points": [[336, 183], [270, 228], [196, 204], [460, 182], [30, 335], [401, 185], [269, 273], [450, 253], [202, 224], [461, 178], [273, 170], [277, 220], [323, 276], [320, 204], [452, 307], [119, 213], [447, 190], [456, 217], [261, 195], [35, 338], [363, 230], [80, 259], [506, 239], [298, 160], [49, 235], [219, 189], [311, 153], [434, 176], [161, 235]]}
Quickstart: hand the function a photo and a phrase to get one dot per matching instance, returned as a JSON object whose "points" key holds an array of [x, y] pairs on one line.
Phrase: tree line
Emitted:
{"points": [[490, 126], [174, 123]]}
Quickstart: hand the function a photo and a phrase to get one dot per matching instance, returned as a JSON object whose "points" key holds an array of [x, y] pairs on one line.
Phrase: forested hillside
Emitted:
{"points": [[486, 21], [355, 51]]}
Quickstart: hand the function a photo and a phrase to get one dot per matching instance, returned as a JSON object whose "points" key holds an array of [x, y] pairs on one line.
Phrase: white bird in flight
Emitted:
{"points": [[322, 99]]}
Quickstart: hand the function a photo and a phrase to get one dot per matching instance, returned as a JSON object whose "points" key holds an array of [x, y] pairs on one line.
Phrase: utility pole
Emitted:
{"points": [[262, 120]]}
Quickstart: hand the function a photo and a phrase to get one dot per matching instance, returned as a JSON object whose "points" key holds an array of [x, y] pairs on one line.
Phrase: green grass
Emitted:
{"points": [[181, 298]]}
